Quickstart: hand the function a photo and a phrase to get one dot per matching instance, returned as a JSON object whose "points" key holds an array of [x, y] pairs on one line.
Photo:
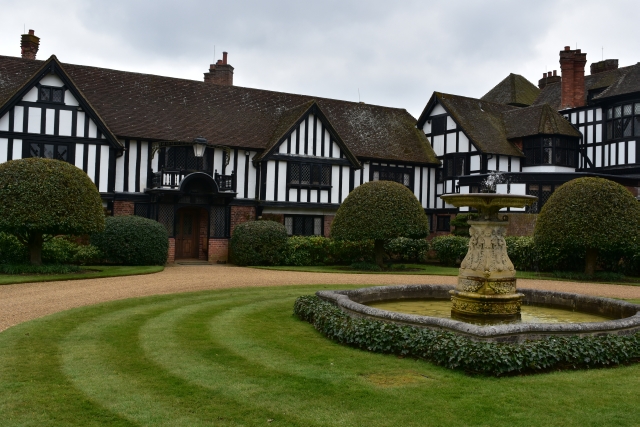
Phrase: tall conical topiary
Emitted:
{"points": [[40, 198], [380, 211], [589, 215]]}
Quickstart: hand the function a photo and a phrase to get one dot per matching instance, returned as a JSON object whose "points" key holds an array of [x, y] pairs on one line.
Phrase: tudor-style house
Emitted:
{"points": [[201, 157], [572, 125]]}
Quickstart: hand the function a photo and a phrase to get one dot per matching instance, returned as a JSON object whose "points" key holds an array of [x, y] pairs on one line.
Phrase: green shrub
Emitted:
{"points": [[590, 218], [47, 197], [450, 250], [346, 252], [380, 211], [456, 352], [405, 249], [460, 222], [38, 269], [11, 250], [132, 240], [59, 250], [306, 250], [522, 252], [258, 243]]}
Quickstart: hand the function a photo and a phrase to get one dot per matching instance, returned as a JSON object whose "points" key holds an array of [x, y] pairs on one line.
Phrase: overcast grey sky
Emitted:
{"points": [[396, 53]]}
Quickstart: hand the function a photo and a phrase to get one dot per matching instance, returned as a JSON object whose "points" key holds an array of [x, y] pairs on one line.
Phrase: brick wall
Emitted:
{"points": [[328, 220], [240, 214], [218, 250], [122, 207], [521, 224], [171, 257], [203, 238]]}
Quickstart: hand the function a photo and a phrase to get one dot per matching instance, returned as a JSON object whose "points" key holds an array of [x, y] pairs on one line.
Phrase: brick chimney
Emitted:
{"points": [[572, 64], [548, 78], [602, 66], [29, 45], [220, 73]]}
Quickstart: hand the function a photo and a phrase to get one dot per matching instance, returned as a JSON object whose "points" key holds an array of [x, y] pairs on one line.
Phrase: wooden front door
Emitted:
{"points": [[187, 233]]}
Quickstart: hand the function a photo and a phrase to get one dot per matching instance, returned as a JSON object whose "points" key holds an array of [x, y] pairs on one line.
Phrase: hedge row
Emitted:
{"points": [[455, 352], [59, 250]]}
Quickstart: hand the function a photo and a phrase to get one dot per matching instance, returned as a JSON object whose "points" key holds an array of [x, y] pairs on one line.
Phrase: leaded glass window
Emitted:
{"points": [[309, 175], [623, 121], [51, 94], [548, 150], [49, 151], [183, 159], [303, 225], [400, 175]]}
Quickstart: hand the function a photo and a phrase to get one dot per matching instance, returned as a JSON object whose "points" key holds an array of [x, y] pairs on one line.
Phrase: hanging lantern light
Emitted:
{"points": [[199, 145]]}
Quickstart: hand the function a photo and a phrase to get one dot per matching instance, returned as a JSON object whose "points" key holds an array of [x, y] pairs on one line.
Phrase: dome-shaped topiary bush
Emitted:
{"points": [[132, 240], [587, 216], [258, 243], [380, 211], [44, 197]]}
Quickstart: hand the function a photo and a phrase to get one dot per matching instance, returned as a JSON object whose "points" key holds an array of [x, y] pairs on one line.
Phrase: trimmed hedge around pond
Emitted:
{"points": [[455, 352]]}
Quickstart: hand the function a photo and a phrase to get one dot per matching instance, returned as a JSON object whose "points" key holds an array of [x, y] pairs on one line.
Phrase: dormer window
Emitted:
{"points": [[551, 150], [51, 94]]}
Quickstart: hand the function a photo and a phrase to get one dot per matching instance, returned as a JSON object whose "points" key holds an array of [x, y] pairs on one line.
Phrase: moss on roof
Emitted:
{"points": [[540, 119], [513, 90]]}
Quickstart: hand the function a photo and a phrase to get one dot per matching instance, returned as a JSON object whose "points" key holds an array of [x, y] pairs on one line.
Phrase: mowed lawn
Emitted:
{"points": [[239, 357]]}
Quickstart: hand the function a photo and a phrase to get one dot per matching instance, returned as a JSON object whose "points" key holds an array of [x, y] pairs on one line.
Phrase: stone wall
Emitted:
{"points": [[521, 224]]}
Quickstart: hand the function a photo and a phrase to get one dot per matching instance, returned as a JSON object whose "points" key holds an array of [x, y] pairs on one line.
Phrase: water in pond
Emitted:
{"points": [[530, 313]]}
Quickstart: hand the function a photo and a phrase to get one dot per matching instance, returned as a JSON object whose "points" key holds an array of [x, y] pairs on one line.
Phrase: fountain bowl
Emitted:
{"points": [[625, 316], [488, 204]]}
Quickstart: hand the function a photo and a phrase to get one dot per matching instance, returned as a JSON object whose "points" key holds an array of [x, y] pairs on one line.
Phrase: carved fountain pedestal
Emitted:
{"points": [[487, 279]]}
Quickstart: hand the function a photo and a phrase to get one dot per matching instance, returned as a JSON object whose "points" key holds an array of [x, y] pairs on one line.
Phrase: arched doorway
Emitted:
{"points": [[191, 233]]}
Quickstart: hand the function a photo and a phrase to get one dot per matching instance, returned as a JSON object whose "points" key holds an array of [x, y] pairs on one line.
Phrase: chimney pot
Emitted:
{"points": [[29, 45], [554, 73], [220, 73], [224, 57], [567, 48], [31, 32]]}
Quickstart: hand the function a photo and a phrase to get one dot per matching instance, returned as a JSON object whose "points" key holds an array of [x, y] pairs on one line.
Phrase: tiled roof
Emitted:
{"points": [[513, 90], [539, 119], [616, 82], [482, 122], [146, 106]]}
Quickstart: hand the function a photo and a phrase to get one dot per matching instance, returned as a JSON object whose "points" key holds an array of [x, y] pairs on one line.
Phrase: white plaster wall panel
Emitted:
{"points": [[590, 116], [356, 178], [35, 117], [547, 168], [218, 155], [590, 154], [282, 181], [119, 172], [240, 173], [229, 168], [303, 134], [581, 116], [621, 153], [501, 188], [282, 148], [518, 189], [80, 156], [313, 196], [104, 169], [474, 163], [416, 184], [303, 195], [252, 178], [599, 133], [335, 180], [613, 158], [32, 95], [491, 163], [427, 127], [590, 134], [598, 113], [432, 188], [293, 195], [294, 133], [336, 150], [598, 161], [515, 164], [472, 148], [631, 154], [426, 191], [310, 135], [93, 129], [18, 118], [437, 110], [449, 187], [463, 143], [50, 121], [64, 128], [144, 164], [439, 188], [504, 164], [4, 122], [154, 163], [574, 118], [80, 124], [91, 163], [4, 149], [324, 196], [133, 156], [451, 124], [365, 175], [345, 182], [271, 174], [606, 157], [464, 189], [319, 132], [17, 149], [438, 145], [51, 80], [327, 142], [69, 99], [451, 143]]}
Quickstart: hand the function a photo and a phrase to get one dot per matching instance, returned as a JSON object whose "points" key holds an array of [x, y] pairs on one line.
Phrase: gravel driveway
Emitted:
{"points": [[26, 301]]}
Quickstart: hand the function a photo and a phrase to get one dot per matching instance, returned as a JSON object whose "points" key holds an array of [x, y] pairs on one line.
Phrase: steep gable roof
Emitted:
{"points": [[513, 90], [14, 84], [161, 108], [628, 82], [536, 120]]}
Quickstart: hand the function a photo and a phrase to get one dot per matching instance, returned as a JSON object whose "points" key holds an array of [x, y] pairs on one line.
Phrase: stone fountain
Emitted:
{"points": [[487, 279]]}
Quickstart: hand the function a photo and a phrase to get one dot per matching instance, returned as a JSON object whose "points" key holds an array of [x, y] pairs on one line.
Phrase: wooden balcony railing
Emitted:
{"points": [[172, 179]]}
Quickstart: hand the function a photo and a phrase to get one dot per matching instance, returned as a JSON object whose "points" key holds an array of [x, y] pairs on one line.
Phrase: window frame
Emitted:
{"points": [[390, 170], [550, 150], [293, 219], [51, 89], [26, 150], [206, 160], [616, 122], [320, 168], [443, 223]]}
